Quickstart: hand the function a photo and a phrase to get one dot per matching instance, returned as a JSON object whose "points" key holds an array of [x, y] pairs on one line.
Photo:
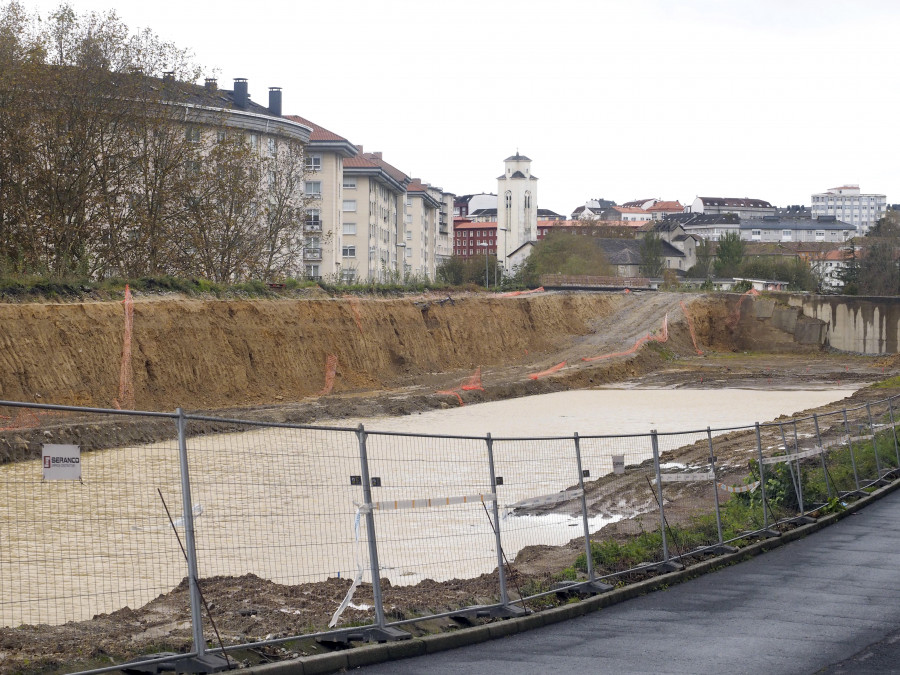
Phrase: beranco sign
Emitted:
{"points": [[61, 462]]}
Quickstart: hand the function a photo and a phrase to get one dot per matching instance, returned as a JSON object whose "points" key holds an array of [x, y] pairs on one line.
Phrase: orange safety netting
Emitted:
{"points": [[736, 314], [690, 323], [331, 362], [549, 371], [474, 382], [126, 381], [354, 307], [451, 392], [540, 289], [640, 342]]}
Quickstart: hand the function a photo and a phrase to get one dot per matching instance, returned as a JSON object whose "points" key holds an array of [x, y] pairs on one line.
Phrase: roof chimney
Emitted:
{"points": [[359, 149], [241, 97], [275, 101], [210, 84], [377, 154], [169, 76]]}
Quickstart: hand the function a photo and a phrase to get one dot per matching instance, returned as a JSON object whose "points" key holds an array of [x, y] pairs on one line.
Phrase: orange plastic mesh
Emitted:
{"points": [[690, 323], [451, 392], [331, 362], [663, 336], [126, 381], [474, 382], [549, 371], [511, 294]]}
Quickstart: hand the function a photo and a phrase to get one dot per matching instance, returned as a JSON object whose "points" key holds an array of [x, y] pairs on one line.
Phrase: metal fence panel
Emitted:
{"points": [[432, 501], [71, 549]]}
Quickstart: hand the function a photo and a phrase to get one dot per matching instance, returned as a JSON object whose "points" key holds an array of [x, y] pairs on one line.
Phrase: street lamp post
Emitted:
{"points": [[485, 246]]}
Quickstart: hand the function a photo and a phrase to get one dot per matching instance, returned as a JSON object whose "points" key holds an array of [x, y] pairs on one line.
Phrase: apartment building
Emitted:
{"points": [[848, 204], [323, 226], [773, 228], [744, 207], [373, 208], [424, 206]]}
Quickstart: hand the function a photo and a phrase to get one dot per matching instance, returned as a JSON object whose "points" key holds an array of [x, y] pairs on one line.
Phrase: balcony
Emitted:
{"points": [[312, 226], [312, 254]]}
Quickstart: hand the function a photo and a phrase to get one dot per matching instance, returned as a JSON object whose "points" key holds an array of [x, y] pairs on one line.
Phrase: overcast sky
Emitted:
{"points": [[772, 99]]}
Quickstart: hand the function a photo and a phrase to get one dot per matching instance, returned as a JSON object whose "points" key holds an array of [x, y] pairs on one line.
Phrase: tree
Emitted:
{"points": [[729, 254], [652, 262], [565, 253], [878, 273], [75, 98]]}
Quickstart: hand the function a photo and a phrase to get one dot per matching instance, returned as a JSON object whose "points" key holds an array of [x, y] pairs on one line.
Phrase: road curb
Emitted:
{"points": [[429, 644]]}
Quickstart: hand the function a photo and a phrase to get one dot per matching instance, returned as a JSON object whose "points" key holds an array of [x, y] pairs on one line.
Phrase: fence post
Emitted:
{"points": [[712, 464], [504, 595], [370, 527], [894, 430], [593, 584], [654, 441], [790, 466], [852, 455], [187, 510], [874, 441], [824, 465], [762, 480]]}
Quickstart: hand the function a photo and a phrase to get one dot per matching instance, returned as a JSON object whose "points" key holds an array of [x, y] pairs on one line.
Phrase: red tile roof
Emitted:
{"points": [[667, 206], [318, 133], [390, 170]]}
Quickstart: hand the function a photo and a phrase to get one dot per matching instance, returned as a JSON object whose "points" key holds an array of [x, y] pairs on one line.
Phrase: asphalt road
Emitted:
{"points": [[828, 603]]}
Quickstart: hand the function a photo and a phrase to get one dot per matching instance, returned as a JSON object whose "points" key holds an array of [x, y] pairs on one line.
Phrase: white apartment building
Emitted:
{"points": [[744, 207], [323, 227], [775, 229], [848, 204], [373, 208]]}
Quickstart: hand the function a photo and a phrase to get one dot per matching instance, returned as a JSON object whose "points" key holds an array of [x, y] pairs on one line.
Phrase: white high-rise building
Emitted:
{"points": [[516, 208], [846, 204]]}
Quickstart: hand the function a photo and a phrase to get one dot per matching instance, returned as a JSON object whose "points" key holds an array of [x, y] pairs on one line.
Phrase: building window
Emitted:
{"points": [[312, 272], [348, 252], [349, 228], [408, 252], [314, 162], [192, 134], [527, 200], [508, 199], [272, 147], [349, 206], [254, 141], [786, 234], [349, 182], [313, 188], [313, 217], [220, 136], [409, 234], [820, 234]]}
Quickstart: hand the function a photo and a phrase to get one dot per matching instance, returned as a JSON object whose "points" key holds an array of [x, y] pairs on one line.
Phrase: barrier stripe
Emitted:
{"points": [[555, 498], [803, 454], [738, 488], [427, 502], [685, 477]]}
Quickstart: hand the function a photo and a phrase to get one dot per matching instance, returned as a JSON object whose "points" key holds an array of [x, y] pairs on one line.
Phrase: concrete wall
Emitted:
{"points": [[867, 325]]}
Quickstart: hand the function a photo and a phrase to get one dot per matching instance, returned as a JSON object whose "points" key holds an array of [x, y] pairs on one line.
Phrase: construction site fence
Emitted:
{"points": [[88, 532]]}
